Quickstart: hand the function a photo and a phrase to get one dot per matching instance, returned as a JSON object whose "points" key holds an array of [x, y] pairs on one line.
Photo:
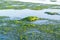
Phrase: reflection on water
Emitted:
{"points": [[43, 22], [27, 12]]}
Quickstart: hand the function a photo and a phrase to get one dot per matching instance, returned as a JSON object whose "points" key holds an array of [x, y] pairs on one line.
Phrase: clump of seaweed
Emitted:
{"points": [[30, 18]]}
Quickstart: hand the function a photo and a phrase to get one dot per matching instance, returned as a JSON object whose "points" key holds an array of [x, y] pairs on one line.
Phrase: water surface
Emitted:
{"points": [[26, 12]]}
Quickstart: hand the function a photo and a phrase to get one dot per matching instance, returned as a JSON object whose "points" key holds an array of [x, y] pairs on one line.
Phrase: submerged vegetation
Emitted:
{"points": [[24, 30], [52, 13], [31, 18], [22, 5]]}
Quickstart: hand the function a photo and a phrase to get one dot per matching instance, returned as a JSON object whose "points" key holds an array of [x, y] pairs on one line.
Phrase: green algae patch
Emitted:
{"points": [[22, 5], [38, 7], [31, 18], [24, 30]]}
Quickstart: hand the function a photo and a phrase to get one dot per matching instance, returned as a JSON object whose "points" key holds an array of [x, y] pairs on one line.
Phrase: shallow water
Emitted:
{"points": [[12, 29], [26, 12]]}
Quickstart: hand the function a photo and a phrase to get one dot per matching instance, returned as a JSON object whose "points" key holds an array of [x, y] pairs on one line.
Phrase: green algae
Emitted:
{"points": [[21, 5], [31, 18], [23, 27]]}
